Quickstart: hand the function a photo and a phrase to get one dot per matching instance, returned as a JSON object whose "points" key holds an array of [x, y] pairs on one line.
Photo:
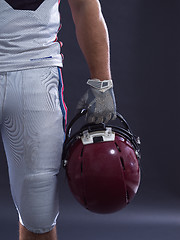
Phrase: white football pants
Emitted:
{"points": [[32, 112]]}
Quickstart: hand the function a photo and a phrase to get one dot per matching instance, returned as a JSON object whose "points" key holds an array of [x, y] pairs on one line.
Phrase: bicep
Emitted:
{"points": [[84, 6]]}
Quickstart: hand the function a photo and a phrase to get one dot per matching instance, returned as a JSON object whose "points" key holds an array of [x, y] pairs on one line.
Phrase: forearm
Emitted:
{"points": [[92, 36]]}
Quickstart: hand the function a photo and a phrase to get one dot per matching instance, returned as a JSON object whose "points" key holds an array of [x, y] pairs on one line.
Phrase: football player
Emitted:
{"points": [[32, 109]]}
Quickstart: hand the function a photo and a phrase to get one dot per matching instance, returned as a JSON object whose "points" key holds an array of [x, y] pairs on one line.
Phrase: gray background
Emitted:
{"points": [[145, 58]]}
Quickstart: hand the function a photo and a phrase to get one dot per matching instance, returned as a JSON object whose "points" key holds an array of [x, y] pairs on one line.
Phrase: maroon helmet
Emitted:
{"points": [[102, 165]]}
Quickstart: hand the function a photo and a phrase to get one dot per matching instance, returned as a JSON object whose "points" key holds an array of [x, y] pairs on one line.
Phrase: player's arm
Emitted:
{"points": [[93, 39], [92, 36]]}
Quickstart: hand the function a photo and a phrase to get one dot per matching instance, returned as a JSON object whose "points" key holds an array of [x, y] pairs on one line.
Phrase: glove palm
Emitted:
{"points": [[100, 106]]}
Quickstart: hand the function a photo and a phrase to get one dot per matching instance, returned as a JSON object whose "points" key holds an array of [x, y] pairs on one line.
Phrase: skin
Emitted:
{"points": [[24, 234], [93, 39], [92, 36]]}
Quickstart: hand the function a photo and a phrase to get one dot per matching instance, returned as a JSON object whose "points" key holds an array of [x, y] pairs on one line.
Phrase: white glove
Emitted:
{"points": [[99, 101]]}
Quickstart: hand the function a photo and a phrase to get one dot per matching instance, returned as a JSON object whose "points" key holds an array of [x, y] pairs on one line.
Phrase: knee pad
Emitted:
{"points": [[39, 202]]}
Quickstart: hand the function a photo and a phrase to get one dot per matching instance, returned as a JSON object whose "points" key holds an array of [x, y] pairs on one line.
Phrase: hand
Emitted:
{"points": [[99, 103]]}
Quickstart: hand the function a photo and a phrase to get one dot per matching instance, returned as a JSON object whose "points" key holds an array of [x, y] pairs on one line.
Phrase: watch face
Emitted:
{"points": [[25, 4]]}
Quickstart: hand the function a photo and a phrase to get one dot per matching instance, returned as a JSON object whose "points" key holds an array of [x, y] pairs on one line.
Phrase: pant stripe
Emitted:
{"points": [[61, 98]]}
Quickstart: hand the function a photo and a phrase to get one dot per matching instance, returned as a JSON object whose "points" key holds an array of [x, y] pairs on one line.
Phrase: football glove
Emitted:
{"points": [[99, 101]]}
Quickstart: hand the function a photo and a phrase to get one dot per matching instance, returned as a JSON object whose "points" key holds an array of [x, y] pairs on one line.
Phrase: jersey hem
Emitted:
{"points": [[25, 67]]}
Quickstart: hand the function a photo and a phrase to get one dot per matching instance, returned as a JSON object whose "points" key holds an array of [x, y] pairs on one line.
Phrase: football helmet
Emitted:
{"points": [[102, 164]]}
